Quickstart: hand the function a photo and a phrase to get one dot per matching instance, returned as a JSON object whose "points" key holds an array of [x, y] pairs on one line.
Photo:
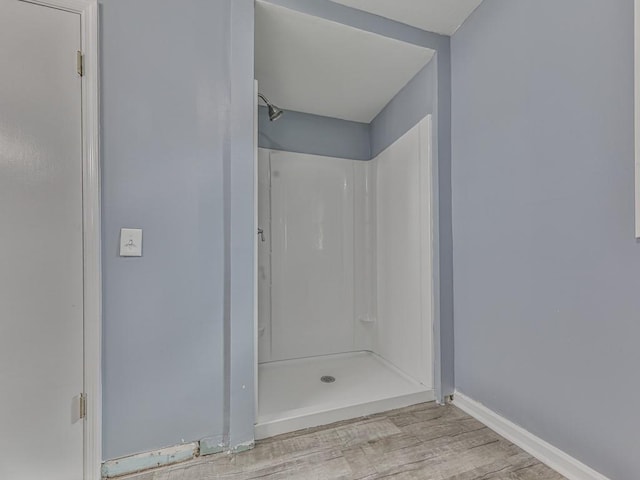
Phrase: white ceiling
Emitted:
{"points": [[440, 16], [312, 65]]}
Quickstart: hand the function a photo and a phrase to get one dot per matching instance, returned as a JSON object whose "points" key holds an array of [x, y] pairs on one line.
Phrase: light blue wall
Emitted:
{"points": [[546, 266], [305, 133], [415, 101], [443, 328], [176, 155]]}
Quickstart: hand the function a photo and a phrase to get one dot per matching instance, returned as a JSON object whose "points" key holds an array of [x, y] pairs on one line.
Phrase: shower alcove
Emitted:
{"points": [[345, 256]]}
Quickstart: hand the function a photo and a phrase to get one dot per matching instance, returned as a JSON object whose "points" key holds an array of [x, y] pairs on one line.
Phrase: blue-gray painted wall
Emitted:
{"points": [[306, 133], [546, 266], [415, 101], [443, 328], [176, 155]]}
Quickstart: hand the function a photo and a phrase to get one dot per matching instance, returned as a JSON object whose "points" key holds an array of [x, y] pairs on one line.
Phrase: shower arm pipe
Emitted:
{"points": [[264, 99]]}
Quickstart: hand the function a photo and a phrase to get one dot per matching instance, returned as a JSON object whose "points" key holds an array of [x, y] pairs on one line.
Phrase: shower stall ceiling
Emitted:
{"points": [[345, 284], [311, 65]]}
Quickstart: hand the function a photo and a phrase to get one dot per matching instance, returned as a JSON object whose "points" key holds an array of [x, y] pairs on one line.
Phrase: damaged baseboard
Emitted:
{"points": [[243, 447], [212, 445], [168, 456], [148, 460]]}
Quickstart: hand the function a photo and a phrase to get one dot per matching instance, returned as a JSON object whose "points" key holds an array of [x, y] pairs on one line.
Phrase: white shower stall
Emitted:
{"points": [[345, 284]]}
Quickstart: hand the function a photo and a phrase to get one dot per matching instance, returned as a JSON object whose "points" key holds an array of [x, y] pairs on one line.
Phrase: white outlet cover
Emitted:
{"points": [[131, 242]]}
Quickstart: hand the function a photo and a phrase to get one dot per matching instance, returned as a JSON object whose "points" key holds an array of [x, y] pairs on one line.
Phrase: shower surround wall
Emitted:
{"points": [[404, 263], [312, 269], [351, 260], [314, 210]]}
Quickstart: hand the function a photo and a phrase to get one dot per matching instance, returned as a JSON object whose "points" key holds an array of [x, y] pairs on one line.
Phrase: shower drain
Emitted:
{"points": [[327, 379]]}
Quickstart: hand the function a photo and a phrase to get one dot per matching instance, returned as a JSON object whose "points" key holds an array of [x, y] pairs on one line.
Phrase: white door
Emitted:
{"points": [[41, 252]]}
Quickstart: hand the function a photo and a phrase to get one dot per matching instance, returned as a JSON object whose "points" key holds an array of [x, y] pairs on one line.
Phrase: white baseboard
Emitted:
{"points": [[543, 451], [149, 460]]}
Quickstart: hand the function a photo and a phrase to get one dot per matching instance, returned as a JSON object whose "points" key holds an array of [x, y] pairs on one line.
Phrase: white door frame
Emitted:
{"points": [[88, 11]]}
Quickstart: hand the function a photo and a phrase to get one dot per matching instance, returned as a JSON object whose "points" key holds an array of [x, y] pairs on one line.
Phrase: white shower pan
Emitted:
{"points": [[293, 397]]}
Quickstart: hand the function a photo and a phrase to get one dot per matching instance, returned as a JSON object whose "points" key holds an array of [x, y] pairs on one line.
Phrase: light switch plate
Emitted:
{"points": [[130, 242]]}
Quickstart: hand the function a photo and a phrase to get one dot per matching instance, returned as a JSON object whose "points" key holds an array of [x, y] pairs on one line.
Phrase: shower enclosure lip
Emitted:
{"points": [[274, 112]]}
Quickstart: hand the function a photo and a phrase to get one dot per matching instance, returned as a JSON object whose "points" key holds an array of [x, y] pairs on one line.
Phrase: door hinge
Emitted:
{"points": [[83, 405], [80, 63]]}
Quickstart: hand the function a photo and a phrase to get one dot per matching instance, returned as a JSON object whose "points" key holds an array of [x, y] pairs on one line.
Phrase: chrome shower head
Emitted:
{"points": [[274, 112]]}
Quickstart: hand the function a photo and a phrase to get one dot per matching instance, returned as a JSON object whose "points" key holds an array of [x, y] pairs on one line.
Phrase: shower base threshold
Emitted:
{"points": [[292, 396]]}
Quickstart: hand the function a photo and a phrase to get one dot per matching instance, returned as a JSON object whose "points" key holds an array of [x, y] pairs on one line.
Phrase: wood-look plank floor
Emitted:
{"points": [[425, 441]]}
